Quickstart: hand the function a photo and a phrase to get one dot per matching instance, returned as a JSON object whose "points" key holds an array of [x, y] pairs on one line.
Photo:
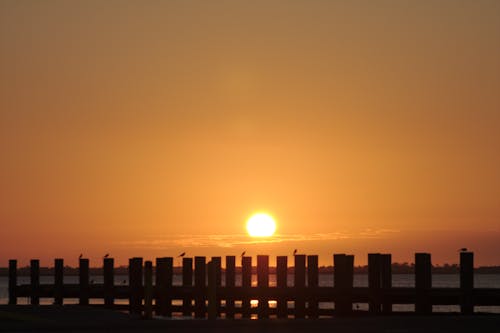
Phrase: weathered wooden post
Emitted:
{"points": [[230, 283], [217, 263], [200, 275], [374, 281], [467, 282], [423, 283], [136, 289], [58, 281], [164, 279], [12, 282], [281, 282], [35, 281], [84, 281], [212, 290], [246, 283], [148, 289], [312, 283], [187, 282], [386, 276], [299, 283], [109, 282], [343, 266], [263, 285]]}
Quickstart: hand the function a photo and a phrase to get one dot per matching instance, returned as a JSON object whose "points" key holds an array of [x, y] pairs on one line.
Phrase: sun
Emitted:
{"points": [[261, 225]]}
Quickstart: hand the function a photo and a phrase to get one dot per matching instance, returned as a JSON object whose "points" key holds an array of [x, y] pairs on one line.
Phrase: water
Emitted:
{"points": [[360, 280]]}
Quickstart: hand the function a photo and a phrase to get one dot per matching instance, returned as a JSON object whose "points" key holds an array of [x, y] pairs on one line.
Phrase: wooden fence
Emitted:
{"points": [[207, 297]]}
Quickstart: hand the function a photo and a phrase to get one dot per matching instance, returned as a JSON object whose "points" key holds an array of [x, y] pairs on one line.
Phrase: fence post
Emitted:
{"points": [[343, 282], [423, 283], [164, 274], [187, 281], [386, 276], [148, 289], [58, 281], [136, 289], [299, 283], [84, 281], [374, 281], [263, 284], [312, 283], [281, 282], [12, 282], [246, 283], [467, 282], [230, 283], [35, 281], [200, 286], [212, 290], [217, 263], [109, 281]]}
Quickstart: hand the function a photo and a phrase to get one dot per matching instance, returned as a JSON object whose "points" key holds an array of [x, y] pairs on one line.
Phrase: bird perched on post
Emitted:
{"points": [[106, 255], [464, 249], [181, 255], [243, 253], [295, 252], [80, 256]]}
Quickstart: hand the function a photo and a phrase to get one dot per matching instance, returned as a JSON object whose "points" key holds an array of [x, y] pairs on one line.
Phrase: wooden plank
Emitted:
{"points": [[386, 281], [83, 270], [467, 282], [164, 279], [35, 281], [212, 290], [343, 282], [423, 283], [12, 282], [217, 263], [200, 276], [148, 289], [281, 282], [109, 281], [299, 282], [246, 283], [58, 281], [262, 283], [230, 282], [312, 283], [374, 282], [187, 281], [136, 290]]}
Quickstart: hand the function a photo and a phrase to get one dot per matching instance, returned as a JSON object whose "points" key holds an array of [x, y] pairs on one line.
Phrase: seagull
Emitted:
{"points": [[81, 256], [181, 255], [464, 249], [106, 255], [295, 252], [243, 253]]}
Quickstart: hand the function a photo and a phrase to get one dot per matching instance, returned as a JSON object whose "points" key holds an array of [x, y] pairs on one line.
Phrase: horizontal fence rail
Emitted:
{"points": [[207, 297]]}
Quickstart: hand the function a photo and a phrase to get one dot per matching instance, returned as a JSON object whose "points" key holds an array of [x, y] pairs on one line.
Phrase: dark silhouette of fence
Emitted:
{"points": [[207, 297]]}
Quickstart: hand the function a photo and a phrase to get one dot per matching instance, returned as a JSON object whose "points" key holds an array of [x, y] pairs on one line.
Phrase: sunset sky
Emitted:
{"points": [[150, 128]]}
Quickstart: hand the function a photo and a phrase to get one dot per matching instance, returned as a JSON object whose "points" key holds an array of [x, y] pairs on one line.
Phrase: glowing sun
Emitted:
{"points": [[261, 225]]}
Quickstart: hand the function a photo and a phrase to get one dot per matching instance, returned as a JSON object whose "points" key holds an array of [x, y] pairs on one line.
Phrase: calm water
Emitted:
{"points": [[360, 280]]}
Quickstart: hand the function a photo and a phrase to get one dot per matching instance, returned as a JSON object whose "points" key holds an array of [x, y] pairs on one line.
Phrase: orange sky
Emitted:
{"points": [[150, 128]]}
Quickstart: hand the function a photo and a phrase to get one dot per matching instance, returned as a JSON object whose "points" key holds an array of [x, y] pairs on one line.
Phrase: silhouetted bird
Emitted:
{"points": [[243, 253], [181, 255], [106, 255], [295, 252], [464, 249], [81, 256]]}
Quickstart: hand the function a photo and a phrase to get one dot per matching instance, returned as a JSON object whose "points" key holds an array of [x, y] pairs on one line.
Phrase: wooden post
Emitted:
{"points": [[200, 275], [230, 282], [374, 281], [187, 281], [148, 289], [109, 281], [84, 281], [263, 283], [212, 290], [467, 282], [58, 281], [343, 282], [217, 263], [164, 278], [299, 283], [281, 282], [312, 283], [246, 283], [35, 281], [423, 283], [12, 282], [386, 281], [136, 289]]}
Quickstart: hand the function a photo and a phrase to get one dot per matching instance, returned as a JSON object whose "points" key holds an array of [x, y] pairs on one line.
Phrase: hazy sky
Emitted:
{"points": [[148, 128]]}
